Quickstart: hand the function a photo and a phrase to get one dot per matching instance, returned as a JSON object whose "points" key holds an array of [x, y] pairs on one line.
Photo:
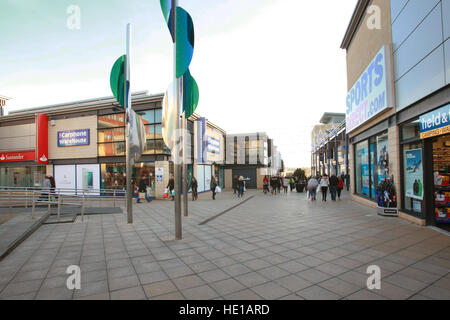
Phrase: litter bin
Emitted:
{"points": [[300, 187]]}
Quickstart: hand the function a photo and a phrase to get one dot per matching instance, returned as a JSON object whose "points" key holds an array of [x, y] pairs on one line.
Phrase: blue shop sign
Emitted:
{"points": [[435, 123], [79, 137]]}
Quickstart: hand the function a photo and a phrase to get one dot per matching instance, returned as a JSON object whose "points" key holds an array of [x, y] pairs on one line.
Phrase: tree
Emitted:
{"points": [[300, 174]]}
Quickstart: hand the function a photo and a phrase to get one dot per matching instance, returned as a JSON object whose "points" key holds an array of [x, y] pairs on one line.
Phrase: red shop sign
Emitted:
{"points": [[17, 156], [41, 138]]}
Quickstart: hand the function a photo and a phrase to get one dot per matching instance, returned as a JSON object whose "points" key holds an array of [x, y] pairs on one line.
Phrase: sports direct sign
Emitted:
{"points": [[372, 93]]}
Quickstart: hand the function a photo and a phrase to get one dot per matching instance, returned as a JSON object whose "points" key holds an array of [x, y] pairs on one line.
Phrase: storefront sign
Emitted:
{"points": [[213, 145], [80, 137], [413, 174], [17, 156], [435, 123], [41, 138], [372, 92], [159, 172]]}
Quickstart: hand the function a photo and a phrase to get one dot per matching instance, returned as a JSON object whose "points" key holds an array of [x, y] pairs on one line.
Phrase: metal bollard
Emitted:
{"points": [[59, 207], [114, 198], [33, 206], [26, 199], [82, 208], [9, 196], [49, 201]]}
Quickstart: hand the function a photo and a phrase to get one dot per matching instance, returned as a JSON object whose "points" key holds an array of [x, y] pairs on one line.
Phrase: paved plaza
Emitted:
{"points": [[270, 247]]}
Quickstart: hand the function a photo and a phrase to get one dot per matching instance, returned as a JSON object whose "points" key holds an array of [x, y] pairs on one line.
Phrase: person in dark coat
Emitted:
{"points": [[213, 186], [334, 181], [235, 184], [194, 188], [143, 188], [171, 186]]}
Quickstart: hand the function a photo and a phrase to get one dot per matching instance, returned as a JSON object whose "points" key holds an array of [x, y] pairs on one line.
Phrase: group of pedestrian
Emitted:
{"points": [[239, 186], [194, 187], [276, 183], [48, 187], [324, 183], [142, 188]]}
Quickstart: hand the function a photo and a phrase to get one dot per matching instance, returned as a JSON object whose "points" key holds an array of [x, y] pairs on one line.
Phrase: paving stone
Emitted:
{"points": [[123, 282], [273, 273], [236, 269], [92, 288], [339, 287], [292, 266], [170, 296], [136, 293], [294, 283], [436, 293], [204, 292], [246, 294], [159, 288], [257, 264], [227, 286], [251, 279], [188, 282], [213, 275], [270, 291], [14, 289], [314, 275], [54, 294], [405, 282], [365, 294], [317, 293]]}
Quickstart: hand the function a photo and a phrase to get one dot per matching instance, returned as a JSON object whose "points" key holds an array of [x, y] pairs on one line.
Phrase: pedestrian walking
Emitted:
{"points": [[347, 181], [241, 186], [235, 184], [334, 181], [279, 184], [265, 184], [312, 188], [292, 183], [285, 185], [53, 187], [46, 186], [324, 183], [213, 186], [143, 189], [273, 184], [171, 187], [194, 188], [340, 186]]}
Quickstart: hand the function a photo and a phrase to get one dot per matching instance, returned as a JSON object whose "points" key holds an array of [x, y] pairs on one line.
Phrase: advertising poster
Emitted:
{"points": [[88, 178], [365, 173], [159, 172], [413, 174], [65, 178]]}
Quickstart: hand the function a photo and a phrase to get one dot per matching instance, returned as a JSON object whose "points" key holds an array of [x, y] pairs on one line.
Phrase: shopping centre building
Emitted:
{"points": [[82, 144], [398, 105]]}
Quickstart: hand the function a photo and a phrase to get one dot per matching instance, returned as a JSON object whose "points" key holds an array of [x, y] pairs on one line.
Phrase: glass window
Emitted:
{"points": [[158, 115], [150, 131], [158, 131], [148, 116], [31, 176], [413, 177], [411, 130], [111, 120], [362, 168], [111, 149], [150, 147], [111, 135]]}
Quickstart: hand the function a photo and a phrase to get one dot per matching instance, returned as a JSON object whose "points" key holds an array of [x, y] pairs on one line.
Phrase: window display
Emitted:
{"points": [[441, 166], [31, 176]]}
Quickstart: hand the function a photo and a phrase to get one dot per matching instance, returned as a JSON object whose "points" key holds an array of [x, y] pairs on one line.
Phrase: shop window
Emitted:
{"points": [[411, 130], [150, 131], [30, 176], [111, 149], [413, 194], [362, 168], [158, 115]]}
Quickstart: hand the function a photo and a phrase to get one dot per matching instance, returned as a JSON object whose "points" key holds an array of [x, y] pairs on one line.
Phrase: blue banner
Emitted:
{"points": [[435, 123], [79, 137]]}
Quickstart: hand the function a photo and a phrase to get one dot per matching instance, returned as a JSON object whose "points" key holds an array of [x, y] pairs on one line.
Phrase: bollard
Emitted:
{"points": [[59, 207], [49, 201], [32, 209], [82, 208], [9, 196], [114, 197]]}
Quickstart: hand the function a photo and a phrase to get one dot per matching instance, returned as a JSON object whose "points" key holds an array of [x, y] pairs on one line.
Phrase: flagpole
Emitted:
{"points": [[177, 166], [127, 100]]}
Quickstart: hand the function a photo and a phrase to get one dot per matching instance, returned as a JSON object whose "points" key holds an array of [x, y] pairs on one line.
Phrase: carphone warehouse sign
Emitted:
{"points": [[80, 137], [372, 93]]}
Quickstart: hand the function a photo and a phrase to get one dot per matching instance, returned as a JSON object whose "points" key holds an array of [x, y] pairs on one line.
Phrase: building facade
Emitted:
{"points": [[329, 146], [397, 106]]}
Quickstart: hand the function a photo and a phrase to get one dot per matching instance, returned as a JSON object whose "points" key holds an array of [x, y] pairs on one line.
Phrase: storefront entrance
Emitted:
{"points": [[441, 176]]}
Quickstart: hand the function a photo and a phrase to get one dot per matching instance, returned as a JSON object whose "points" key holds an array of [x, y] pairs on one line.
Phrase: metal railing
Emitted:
{"points": [[25, 197]]}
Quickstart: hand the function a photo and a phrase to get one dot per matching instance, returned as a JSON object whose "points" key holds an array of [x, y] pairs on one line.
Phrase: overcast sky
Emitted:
{"points": [[261, 65]]}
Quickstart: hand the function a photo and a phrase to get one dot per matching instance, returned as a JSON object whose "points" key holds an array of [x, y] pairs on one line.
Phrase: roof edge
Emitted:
{"points": [[358, 14]]}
